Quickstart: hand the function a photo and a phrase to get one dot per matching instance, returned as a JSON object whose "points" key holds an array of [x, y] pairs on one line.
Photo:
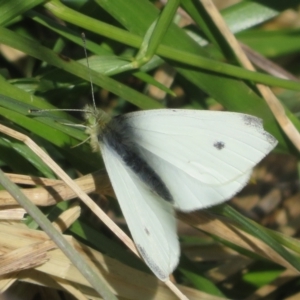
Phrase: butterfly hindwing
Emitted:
{"points": [[150, 218]]}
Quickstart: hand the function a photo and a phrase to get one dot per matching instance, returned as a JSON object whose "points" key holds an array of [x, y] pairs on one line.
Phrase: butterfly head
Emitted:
{"points": [[96, 121]]}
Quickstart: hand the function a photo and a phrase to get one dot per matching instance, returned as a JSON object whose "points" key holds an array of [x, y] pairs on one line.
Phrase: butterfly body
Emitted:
{"points": [[119, 138]]}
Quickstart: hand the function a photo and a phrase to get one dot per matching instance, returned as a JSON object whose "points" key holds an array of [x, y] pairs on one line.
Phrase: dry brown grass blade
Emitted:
{"points": [[14, 213], [34, 254], [164, 75], [208, 223], [274, 104], [125, 281], [267, 65], [32, 180], [76, 189], [83, 196], [266, 290], [75, 292], [25, 257], [50, 194], [229, 268], [67, 218]]}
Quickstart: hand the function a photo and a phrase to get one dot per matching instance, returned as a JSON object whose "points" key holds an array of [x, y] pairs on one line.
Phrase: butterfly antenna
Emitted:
{"points": [[88, 65], [37, 111]]}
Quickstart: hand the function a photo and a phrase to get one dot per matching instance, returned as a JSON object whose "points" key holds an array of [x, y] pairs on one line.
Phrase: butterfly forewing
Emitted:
{"points": [[204, 157]]}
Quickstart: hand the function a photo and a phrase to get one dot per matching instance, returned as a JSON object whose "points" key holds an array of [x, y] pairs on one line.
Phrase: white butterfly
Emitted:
{"points": [[187, 159]]}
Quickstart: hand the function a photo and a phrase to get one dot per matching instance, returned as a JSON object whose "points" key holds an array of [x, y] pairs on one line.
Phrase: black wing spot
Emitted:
{"points": [[219, 145]]}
